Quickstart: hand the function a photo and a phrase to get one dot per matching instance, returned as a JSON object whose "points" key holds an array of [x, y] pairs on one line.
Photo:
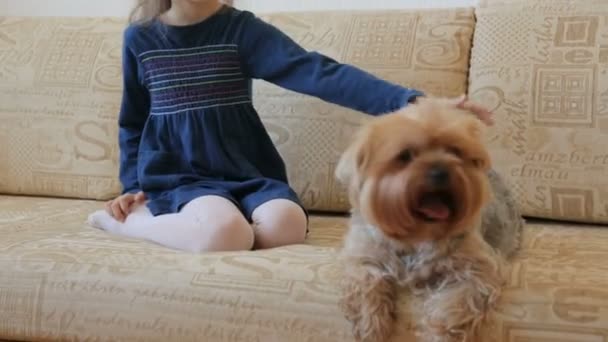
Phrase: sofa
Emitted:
{"points": [[540, 65]]}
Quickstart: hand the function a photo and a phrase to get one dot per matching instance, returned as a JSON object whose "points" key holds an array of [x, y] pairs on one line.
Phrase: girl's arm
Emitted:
{"points": [[134, 112], [269, 54]]}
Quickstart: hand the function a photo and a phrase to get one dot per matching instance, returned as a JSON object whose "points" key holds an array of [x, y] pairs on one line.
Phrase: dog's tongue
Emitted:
{"points": [[434, 208]]}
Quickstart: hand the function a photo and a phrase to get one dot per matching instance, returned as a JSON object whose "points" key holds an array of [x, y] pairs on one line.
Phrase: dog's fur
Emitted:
{"points": [[454, 263]]}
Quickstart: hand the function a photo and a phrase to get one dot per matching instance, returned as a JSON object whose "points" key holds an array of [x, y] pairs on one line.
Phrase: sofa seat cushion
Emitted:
{"points": [[62, 280]]}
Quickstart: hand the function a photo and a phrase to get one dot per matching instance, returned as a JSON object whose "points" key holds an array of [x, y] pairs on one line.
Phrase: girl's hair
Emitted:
{"points": [[148, 10]]}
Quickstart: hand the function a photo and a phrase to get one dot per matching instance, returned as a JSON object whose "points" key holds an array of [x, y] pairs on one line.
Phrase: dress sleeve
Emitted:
{"points": [[269, 54], [134, 111]]}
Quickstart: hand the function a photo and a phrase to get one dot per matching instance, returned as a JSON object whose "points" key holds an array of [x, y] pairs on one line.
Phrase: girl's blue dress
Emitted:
{"points": [[187, 124]]}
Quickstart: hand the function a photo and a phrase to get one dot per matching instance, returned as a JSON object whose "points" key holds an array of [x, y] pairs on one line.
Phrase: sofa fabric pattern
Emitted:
{"points": [[60, 89], [542, 66], [426, 50], [60, 280]]}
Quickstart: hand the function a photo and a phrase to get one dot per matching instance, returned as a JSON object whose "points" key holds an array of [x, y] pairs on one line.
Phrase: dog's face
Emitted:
{"points": [[419, 174]]}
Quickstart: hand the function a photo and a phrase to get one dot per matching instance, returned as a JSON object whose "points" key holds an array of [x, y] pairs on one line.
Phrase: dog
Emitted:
{"points": [[429, 216]]}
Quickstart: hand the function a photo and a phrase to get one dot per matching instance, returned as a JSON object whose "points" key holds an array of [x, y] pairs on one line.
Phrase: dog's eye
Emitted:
{"points": [[405, 156], [478, 163], [455, 151]]}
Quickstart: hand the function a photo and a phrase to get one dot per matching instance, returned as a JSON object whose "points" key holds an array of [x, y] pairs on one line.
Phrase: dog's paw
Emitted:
{"points": [[376, 328], [370, 307]]}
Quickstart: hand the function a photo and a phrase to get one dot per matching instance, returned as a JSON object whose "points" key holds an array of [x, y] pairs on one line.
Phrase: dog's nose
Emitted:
{"points": [[438, 175]]}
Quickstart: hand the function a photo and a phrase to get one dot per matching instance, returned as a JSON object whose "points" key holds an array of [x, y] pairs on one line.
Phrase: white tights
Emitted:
{"points": [[212, 223]]}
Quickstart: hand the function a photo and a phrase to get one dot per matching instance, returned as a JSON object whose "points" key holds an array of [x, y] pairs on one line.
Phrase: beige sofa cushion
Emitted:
{"points": [[60, 82], [542, 66], [60, 280], [428, 50]]}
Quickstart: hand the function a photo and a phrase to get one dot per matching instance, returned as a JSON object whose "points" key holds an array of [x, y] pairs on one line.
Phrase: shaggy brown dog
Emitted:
{"points": [[424, 220]]}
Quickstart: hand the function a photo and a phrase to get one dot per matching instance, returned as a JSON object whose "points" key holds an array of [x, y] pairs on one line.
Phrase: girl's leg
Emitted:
{"points": [[206, 224], [279, 222]]}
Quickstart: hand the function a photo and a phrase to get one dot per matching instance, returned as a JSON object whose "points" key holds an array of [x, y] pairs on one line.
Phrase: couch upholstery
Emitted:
{"points": [[542, 66], [60, 83], [62, 280], [427, 50], [59, 280]]}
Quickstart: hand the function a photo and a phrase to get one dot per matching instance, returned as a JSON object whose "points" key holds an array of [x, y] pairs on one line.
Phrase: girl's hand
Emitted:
{"points": [[121, 206], [482, 113]]}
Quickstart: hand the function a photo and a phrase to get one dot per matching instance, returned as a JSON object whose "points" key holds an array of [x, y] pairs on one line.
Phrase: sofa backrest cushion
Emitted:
{"points": [[60, 84], [60, 88], [423, 49], [542, 66]]}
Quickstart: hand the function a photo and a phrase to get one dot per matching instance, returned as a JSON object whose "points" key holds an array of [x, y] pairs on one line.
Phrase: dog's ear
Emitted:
{"points": [[347, 166], [475, 129], [354, 160]]}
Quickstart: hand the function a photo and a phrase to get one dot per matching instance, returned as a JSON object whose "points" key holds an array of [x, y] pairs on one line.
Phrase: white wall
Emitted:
{"points": [[261, 6], [65, 7]]}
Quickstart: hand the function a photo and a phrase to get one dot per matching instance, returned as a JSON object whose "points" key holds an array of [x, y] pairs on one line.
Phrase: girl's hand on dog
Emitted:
{"points": [[121, 206], [481, 112], [478, 110]]}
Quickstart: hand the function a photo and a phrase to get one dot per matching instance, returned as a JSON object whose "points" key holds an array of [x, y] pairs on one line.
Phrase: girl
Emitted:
{"points": [[193, 148]]}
